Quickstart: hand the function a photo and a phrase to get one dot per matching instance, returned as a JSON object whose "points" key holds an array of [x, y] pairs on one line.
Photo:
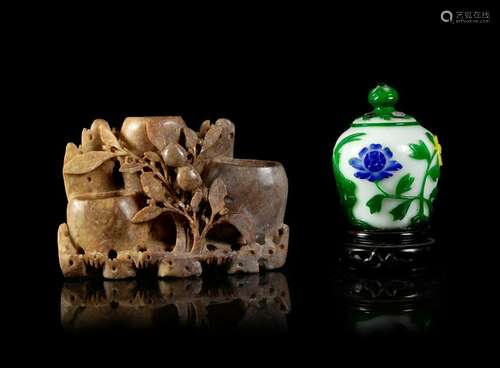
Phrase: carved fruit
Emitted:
{"points": [[133, 133], [174, 155], [188, 178]]}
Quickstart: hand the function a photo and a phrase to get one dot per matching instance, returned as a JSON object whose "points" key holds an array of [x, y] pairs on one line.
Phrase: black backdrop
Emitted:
{"points": [[291, 80]]}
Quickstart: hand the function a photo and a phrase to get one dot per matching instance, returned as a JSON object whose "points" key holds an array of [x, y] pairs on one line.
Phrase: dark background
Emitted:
{"points": [[291, 79]]}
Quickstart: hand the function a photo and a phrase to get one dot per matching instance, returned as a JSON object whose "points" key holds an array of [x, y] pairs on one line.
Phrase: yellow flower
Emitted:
{"points": [[438, 149]]}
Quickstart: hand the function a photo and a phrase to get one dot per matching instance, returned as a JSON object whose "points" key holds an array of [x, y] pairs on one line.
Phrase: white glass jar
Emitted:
{"points": [[387, 167]]}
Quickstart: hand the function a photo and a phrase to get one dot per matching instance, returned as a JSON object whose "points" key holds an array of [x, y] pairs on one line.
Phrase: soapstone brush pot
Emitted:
{"points": [[258, 190], [387, 168], [158, 195]]}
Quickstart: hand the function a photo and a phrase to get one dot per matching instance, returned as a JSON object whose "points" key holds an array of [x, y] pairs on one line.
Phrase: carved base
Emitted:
{"points": [[387, 250], [75, 262]]}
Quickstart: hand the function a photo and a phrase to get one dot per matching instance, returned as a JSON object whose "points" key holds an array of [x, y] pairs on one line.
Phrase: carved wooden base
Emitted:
{"points": [[75, 262], [387, 250]]}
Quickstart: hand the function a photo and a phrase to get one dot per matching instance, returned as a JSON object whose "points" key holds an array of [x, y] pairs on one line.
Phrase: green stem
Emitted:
{"points": [[393, 196], [421, 198]]}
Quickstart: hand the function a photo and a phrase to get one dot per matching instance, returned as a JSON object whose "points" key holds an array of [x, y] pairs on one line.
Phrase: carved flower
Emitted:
{"points": [[374, 163]]}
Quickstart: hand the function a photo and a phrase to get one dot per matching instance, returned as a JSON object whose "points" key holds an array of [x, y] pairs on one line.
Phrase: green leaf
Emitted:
{"points": [[375, 203], [399, 212], [420, 151], [433, 195], [346, 187], [348, 191], [361, 224], [404, 184], [348, 139], [434, 172], [430, 136]]}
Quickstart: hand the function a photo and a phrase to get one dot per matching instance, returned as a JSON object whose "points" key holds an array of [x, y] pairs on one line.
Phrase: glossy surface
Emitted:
{"points": [[347, 304], [387, 168], [231, 304], [383, 98]]}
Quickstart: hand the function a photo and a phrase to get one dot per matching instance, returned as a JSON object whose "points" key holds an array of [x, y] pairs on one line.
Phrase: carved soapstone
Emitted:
{"points": [[158, 195]]}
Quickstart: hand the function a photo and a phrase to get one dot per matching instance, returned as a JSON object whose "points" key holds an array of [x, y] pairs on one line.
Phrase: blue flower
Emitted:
{"points": [[374, 163]]}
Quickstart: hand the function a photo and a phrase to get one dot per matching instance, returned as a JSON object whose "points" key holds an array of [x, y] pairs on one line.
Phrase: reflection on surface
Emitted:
{"points": [[250, 302], [388, 305]]}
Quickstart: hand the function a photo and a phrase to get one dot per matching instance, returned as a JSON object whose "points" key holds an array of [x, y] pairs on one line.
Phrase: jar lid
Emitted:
{"points": [[383, 98]]}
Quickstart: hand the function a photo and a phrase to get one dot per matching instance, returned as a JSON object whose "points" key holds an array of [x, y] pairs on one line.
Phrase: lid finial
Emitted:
{"points": [[383, 98]]}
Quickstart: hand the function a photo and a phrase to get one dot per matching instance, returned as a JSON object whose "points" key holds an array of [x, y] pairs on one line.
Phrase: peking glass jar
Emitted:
{"points": [[387, 168]]}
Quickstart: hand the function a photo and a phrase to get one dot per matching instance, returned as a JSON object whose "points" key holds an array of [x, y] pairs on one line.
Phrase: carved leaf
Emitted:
{"points": [[153, 156], [218, 141], [191, 139], [97, 123], [86, 162], [196, 200], [155, 134], [172, 132], [225, 124], [130, 165], [404, 184], [199, 163], [399, 212], [85, 136], [90, 141], [161, 133], [216, 195], [153, 187], [420, 151], [107, 137], [205, 126], [375, 203], [71, 151], [147, 213], [211, 137], [434, 172]]}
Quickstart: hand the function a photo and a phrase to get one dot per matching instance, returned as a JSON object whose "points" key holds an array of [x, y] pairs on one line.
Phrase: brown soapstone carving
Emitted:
{"points": [[159, 195]]}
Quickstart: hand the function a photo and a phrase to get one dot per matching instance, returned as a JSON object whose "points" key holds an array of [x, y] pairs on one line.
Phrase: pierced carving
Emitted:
{"points": [[158, 194]]}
